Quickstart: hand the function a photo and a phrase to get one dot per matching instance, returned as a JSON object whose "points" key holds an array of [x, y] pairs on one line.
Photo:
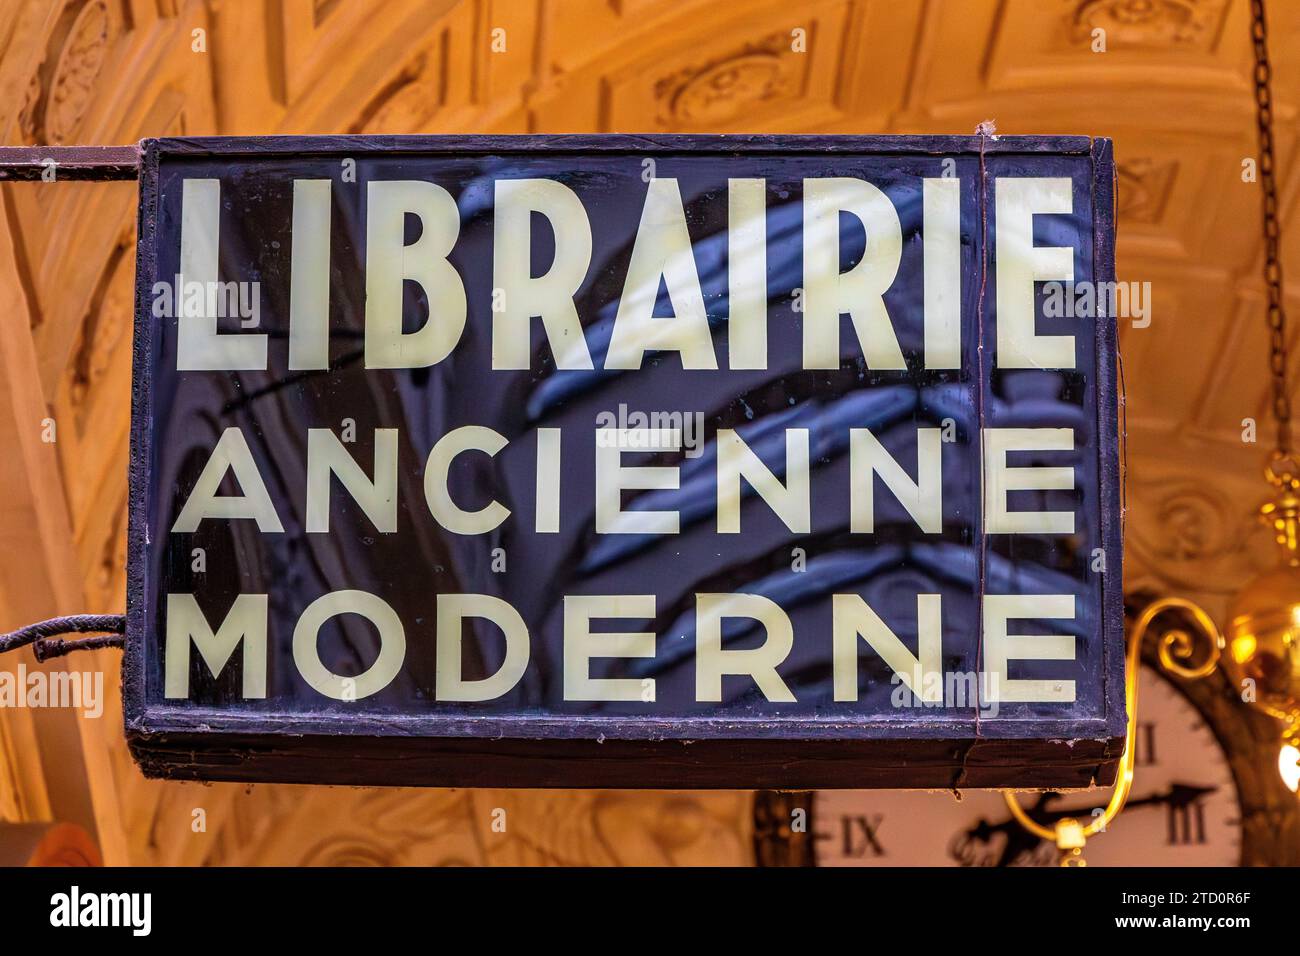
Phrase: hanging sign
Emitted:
{"points": [[709, 461]]}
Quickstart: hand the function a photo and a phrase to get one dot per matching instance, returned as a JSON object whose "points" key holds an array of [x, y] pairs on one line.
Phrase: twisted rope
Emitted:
{"points": [[46, 642]]}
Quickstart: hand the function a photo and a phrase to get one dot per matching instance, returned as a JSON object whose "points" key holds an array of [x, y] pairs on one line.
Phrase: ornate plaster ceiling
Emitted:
{"points": [[1172, 88]]}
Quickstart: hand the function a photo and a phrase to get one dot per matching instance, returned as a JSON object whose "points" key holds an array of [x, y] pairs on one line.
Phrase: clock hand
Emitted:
{"points": [[1178, 794], [1019, 840]]}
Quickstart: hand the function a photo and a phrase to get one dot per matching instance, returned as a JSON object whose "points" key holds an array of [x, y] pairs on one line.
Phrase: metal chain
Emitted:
{"points": [[1278, 359]]}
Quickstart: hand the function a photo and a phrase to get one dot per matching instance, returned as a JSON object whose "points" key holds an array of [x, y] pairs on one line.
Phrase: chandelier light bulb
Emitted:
{"points": [[1288, 765]]}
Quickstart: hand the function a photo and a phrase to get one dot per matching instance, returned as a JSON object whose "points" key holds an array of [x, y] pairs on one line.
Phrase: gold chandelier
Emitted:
{"points": [[1260, 653]]}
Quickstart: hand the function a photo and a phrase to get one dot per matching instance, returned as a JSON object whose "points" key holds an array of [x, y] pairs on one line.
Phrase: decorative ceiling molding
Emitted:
{"points": [[1173, 89], [1193, 26]]}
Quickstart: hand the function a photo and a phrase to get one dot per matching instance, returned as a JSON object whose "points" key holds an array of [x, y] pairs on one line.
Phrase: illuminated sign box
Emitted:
{"points": [[626, 461]]}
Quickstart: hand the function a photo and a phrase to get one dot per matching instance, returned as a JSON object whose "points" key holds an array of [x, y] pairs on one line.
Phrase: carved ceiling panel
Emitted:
{"points": [[1039, 43], [753, 68], [136, 74]]}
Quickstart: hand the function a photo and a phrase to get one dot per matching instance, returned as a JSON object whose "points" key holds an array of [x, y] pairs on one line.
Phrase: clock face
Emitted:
{"points": [[1183, 810]]}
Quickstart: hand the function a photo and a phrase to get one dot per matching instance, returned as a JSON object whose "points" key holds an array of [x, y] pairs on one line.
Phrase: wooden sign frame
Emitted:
{"points": [[182, 741]]}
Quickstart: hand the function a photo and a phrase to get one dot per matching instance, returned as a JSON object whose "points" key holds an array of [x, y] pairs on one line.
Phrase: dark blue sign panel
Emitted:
{"points": [[626, 461]]}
